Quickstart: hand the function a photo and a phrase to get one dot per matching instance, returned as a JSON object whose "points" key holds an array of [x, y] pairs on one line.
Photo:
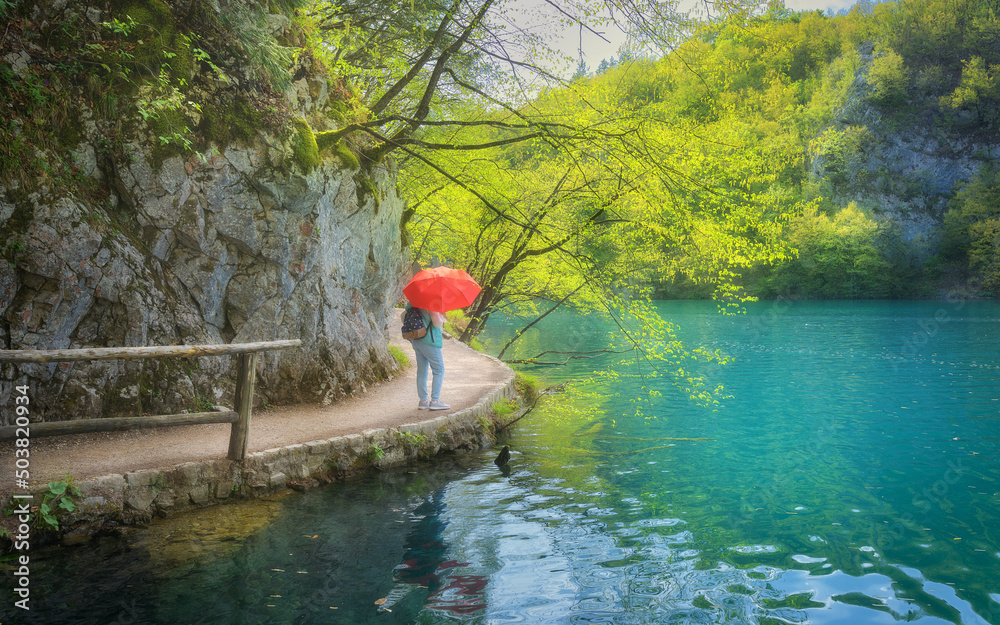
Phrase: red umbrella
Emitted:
{"points": [[441, 289]]}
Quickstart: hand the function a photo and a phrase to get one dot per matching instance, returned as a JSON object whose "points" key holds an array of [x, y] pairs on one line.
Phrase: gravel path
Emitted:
{"points": [[468, 376]]}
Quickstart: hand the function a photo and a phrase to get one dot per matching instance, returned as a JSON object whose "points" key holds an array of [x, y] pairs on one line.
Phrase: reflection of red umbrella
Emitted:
{"points": [[441, 289]]}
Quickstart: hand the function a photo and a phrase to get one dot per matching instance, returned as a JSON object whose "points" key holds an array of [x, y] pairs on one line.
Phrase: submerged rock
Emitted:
{"points": [[201, 535]]}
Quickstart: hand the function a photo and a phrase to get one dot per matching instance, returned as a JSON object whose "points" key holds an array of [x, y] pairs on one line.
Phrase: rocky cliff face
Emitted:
{"points": [[244, 242], [903, 167]]}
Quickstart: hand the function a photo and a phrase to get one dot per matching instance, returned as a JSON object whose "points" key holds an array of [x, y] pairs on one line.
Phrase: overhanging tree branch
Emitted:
{"points": [[424, 106], [397, 88], [572, 356], [520, 332], [469, 147]]}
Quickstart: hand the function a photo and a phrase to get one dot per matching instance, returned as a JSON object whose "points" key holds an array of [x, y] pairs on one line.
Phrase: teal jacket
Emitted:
{"points": [[433, 336]]}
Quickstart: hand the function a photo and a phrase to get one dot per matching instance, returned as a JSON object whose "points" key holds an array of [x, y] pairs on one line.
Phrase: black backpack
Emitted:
{"points": [[413, 324]]}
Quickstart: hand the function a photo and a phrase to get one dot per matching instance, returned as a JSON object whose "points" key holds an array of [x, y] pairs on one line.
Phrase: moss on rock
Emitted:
{"points": [[346, 156], [326, 140], [332, 139], [365, 186], [236, 122], [70, 132], [154, 14], [182, 65], [154, 29], [304, 148]]}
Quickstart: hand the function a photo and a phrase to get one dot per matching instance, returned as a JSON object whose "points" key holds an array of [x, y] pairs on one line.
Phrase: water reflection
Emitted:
{"points": [[426, 566]]}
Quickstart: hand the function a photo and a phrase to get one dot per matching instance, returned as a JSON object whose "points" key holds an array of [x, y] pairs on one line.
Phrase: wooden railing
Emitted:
{"points": [[239, 418]]}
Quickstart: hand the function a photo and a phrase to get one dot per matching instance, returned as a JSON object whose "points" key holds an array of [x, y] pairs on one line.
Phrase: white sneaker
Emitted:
{"points": [[437, 405], [423, 405]]}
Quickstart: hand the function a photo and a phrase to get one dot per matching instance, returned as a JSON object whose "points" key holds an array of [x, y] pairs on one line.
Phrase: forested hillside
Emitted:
{"points": [[777, 155]]}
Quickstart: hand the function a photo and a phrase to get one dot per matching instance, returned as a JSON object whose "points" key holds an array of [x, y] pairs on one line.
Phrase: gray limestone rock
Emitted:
{"points": [[906, 174], [232, 249]]}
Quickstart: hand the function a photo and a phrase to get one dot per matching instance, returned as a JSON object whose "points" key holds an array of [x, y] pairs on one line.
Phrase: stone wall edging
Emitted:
{"points": [[137, 496]]}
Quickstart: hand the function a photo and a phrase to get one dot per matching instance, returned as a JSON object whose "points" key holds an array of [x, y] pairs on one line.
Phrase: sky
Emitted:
{"points": [[595, 49], [823, 5]]}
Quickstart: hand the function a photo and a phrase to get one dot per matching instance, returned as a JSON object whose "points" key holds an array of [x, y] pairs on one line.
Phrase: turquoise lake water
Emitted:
{"points": [[851, 476]]}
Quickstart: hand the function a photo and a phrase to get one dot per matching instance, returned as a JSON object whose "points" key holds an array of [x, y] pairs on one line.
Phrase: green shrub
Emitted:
{"points": [[888, 78], [972, 226], [400, 357], [984, 253], [455, 322], [203, 403], [841, 151], [504, 407], [412, 440], [528, 386], [977, 91], [59, 495], [839, 257]]}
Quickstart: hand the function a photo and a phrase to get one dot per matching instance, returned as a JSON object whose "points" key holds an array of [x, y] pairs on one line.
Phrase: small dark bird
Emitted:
{"points": [[501, 460]]}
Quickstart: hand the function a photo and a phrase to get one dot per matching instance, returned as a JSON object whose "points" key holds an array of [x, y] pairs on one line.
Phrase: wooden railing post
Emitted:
{"points": [[245, 377]]}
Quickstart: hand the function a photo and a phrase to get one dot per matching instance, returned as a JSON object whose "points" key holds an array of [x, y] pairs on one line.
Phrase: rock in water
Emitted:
{"points": [[503, 457]]}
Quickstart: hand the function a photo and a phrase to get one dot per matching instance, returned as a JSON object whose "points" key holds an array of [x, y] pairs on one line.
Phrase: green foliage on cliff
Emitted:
{"points": [[180, 77], [978, 90], [231, 122], [888, 78], [149, 26], [842, 256], [972, 226]]}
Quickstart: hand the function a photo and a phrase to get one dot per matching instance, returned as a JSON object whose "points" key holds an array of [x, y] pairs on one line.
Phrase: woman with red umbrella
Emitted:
{"points": [[432, 292]]}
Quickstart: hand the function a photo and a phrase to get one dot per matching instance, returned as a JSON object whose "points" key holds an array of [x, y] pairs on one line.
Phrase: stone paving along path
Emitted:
{"points": [[469, 376]]}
